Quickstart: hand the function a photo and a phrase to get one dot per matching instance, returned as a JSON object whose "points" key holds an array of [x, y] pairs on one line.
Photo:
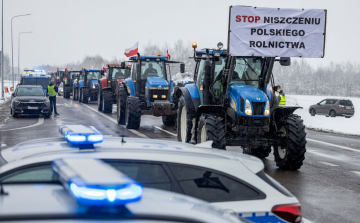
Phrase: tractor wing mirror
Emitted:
{"points": [[122, 65], [182, 68], [285, 61]]}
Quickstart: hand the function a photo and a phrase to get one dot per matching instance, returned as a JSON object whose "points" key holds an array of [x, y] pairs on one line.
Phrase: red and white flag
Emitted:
{"points": [[65, 70], [104, 69], [132, 51], [168, 52]]}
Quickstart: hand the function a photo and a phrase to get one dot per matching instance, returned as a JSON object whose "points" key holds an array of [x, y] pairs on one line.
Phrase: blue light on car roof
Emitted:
{"points": [[95, 183], [80, 134]]}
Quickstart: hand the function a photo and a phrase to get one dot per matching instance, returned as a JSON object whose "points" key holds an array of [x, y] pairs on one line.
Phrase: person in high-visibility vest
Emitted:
{"points": [[52, 91], [281, 97]]}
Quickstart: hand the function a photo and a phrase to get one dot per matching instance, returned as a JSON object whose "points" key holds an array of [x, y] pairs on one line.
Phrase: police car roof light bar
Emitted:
{"points": [[95, 183], [81, 135]]}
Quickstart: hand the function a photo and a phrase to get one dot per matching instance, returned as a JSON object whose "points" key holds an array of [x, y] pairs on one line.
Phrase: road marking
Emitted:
{"points": [[306, 220], [356, 172], [41, 121], [67, 105], [113, 120], [165, 131], [334, 145], [325, 155], [329, 164], [93, 128]]}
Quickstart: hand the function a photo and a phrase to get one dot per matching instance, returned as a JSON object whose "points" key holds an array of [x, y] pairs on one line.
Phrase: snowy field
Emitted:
{"points": [[321, 122]]}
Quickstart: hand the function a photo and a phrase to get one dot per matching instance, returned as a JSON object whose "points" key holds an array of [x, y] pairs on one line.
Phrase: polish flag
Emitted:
{"points": [[132, 51], [168, 52], [104, 69], [65, 70]]}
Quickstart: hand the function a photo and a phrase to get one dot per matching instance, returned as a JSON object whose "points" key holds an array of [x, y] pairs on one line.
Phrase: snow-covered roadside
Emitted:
{"points": [[7, 84], [342, 125]]}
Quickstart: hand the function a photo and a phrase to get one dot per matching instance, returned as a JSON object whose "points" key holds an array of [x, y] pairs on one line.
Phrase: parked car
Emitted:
{"points": [[333, 108], [61, 89]]}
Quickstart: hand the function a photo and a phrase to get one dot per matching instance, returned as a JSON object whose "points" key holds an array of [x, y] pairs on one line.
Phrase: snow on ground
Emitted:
{"points": [[7, 84], [341, 125]]}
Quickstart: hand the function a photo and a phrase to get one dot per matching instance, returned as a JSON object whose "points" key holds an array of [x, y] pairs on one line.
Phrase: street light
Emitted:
{"points": [[12, 48], [19, 52]]}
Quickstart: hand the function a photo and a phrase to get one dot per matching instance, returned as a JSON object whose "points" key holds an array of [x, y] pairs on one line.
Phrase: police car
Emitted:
{"points": [[90, 190], [226, 179]]}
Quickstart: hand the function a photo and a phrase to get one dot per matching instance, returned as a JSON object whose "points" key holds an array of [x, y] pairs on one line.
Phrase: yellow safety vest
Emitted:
{"points": [[51, 91], [282, 102]]}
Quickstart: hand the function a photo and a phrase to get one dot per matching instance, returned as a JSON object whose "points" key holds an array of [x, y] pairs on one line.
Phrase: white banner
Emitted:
{"points": [[272, 32]]}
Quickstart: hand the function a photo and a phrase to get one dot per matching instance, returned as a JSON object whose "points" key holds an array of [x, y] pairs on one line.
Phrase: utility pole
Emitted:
{"points": [[2, 50]]}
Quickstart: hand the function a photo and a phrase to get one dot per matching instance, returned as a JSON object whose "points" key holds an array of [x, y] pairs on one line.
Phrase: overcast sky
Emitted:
{"points": [[67, 30]]}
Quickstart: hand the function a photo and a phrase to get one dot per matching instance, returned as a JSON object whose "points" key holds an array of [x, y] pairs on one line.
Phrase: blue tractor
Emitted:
{"points": [[88, 85], [233, 103], [147, 91]]}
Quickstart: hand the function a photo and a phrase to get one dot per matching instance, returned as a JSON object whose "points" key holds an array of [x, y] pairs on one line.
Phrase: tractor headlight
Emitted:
{"points": [[267, 108], [154, 96], [248, 109]]}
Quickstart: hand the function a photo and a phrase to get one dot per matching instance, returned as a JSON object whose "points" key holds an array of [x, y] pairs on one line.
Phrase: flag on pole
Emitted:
{"points": [[132, 51], [65, 70], [104, 69], [168, 52]]}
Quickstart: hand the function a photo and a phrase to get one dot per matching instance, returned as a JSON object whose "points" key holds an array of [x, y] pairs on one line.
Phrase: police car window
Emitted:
{"points": [[44, 82], [152, 68], [147, 174], [41, 173], [29, 91], [212, 186]]}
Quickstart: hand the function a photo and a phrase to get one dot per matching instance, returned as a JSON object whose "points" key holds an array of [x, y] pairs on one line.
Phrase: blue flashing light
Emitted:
{"points": [[95, 138], [80, 134]]}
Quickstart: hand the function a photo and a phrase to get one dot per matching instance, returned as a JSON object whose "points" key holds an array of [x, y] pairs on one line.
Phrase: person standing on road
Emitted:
{"points": [[281, 98], [52, 91]]}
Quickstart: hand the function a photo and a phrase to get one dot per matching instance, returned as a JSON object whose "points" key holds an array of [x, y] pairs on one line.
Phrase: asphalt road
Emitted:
{"points": [[328, 184]]}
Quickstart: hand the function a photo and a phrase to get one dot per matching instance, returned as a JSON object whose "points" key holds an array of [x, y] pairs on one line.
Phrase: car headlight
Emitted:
{"points": [[267, 108], [16, 101], [47, 102], [248, 109]]}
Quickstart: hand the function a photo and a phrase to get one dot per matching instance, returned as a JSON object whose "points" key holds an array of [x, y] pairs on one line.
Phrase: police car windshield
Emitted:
{"points": [[30, 91], [247, 71], [118, 73], [152, 68]]}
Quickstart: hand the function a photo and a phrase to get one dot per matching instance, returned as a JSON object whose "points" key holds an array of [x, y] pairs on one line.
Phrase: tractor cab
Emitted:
{"points": [[60, 75], [89, 84], [69, 78]]}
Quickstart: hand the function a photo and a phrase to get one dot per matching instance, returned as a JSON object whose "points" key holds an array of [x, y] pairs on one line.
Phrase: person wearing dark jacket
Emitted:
{"points": [[52, 91]]}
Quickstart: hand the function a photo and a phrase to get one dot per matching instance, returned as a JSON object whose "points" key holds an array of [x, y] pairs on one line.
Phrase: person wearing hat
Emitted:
{"points": [[52, 91], [281, 98]]}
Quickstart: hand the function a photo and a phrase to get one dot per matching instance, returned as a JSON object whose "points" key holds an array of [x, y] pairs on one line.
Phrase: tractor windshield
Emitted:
{"points": [[118, 73], [92, 75], [247, 70], [153, 68], [73, 75]]}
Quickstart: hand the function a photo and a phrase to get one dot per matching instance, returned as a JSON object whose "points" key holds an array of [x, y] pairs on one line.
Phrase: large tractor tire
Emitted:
{"points": [[212, 127], [291, 156], [121, 101], [259, 152], [99, 101], [107, 101], [85, 95], [133, 113], [169, 120], [66, 92], [184, 122]]}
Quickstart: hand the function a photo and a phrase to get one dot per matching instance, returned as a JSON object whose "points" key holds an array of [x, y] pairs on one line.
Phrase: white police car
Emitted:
{"points": [[226, 179], [93, 191]]}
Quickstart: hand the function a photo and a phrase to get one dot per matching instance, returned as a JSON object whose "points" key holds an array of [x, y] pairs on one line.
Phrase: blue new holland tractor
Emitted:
{"points": [[147, 91], [88, 85], [233, 103]]}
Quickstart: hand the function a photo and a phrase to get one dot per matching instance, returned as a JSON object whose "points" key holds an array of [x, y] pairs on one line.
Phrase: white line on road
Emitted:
{"points": [[41, 121], [357, 172], [334, 145], [93, 128], [306, 220], [324, 155], [329, 164], [113, 120], [165, 131]]}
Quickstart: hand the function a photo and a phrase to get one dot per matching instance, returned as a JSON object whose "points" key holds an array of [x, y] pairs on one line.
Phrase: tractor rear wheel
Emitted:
{"points": [[80, 95], [99, 101], [290, 156], [85, 95], [107, 102], [67, 92], [184, 122], [169, 120], [133, 113], [259, 152], [212, 127], [121, 105]]}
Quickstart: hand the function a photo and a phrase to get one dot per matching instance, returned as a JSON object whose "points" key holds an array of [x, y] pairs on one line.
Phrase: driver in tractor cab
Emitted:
{"points": [[150, 70], [119, 75], [251, 73]]}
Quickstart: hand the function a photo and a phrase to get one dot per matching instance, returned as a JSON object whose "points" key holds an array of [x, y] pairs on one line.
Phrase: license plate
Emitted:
{"points": [[32, 107], [348, 107]]}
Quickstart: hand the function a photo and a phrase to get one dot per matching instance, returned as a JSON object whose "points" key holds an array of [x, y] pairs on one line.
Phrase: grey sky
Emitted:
{"points": [[67, 30]]}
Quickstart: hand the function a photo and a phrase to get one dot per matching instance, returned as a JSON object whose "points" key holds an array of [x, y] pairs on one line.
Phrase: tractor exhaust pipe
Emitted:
{"points": [[138, 75], [206, 86]]}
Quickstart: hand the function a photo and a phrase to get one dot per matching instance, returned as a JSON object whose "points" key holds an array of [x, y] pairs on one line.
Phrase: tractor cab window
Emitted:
{"points": [[92, 75], [153, 68], [247, 71], [118, 73], [73, 75]]}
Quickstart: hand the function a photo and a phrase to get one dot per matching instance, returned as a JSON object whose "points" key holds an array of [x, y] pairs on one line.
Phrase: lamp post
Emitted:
{"points": [[2, 50], [12, 48], [19, 52]]}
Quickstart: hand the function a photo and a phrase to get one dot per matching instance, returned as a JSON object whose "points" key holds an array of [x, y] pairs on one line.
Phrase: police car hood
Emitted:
{"points": [[43, 200], [134, 147], [28, 98]]}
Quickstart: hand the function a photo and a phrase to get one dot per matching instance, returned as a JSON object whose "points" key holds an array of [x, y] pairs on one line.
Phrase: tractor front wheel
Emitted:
{"points": [[80, 95], [133, 113], [99, 101], [291, 154], [212, 127], [107, 101], [121, 101], [184, 122], [85, 95], [169, 120]]}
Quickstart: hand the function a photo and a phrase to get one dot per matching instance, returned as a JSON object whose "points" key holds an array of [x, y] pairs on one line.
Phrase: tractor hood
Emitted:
{"points": [[94, 83], [156, 82]]}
